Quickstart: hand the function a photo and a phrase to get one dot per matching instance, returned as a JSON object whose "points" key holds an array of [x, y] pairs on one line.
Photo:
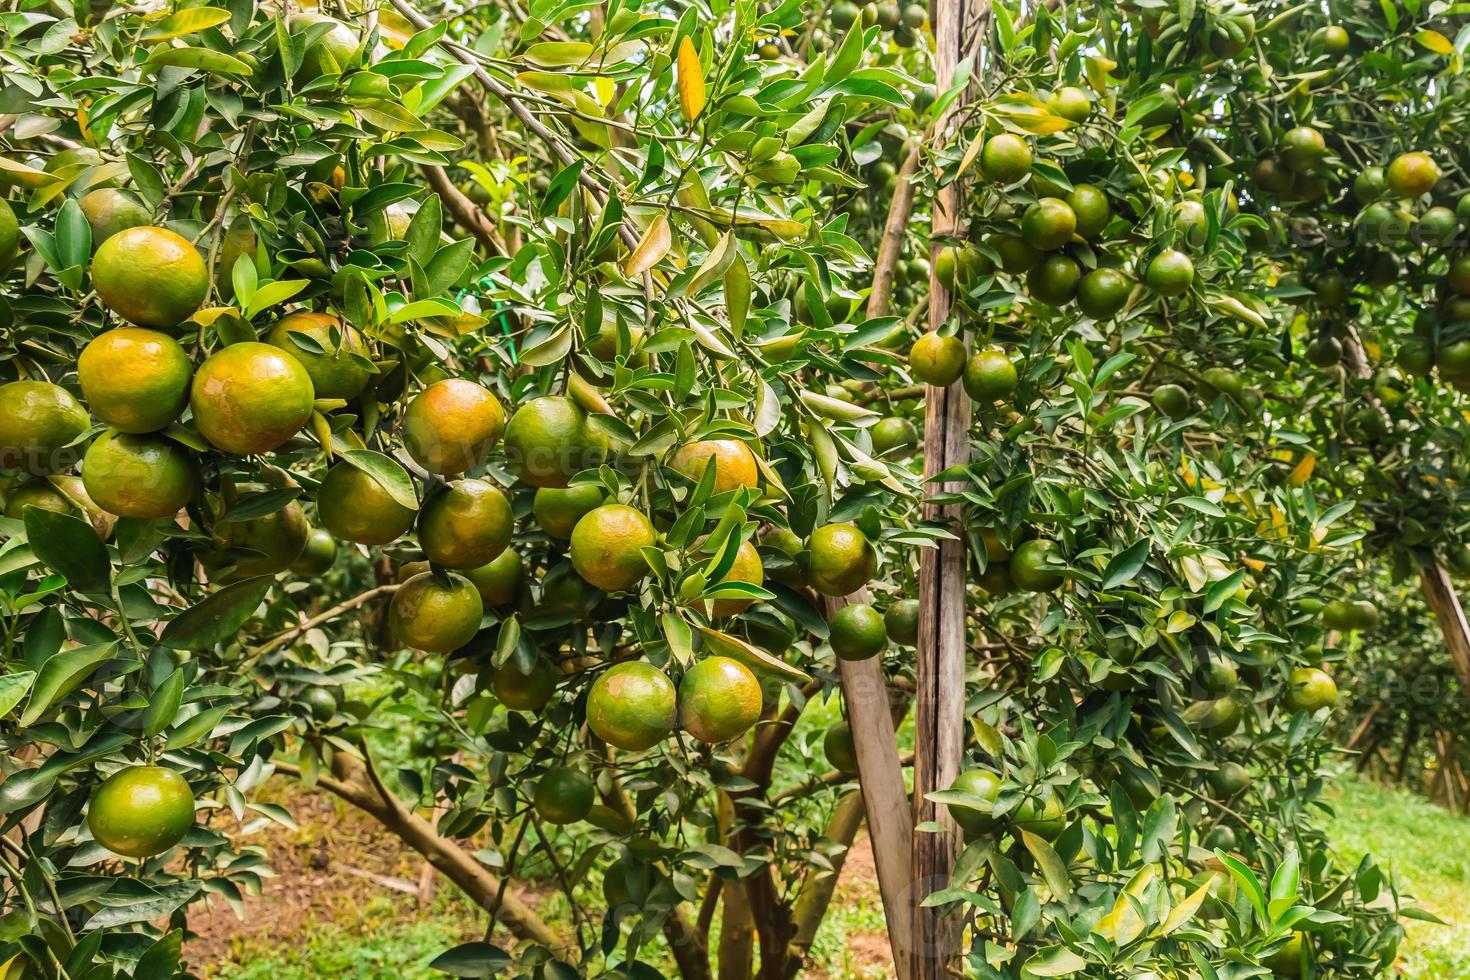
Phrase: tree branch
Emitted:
{"points": [[351, 780]]}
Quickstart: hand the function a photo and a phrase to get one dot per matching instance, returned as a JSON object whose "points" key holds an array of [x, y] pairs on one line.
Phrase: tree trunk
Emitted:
{"points": [[940, 685]]}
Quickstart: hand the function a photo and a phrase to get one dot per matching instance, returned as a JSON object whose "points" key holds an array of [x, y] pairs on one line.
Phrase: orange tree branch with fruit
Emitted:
{"points": [[473, 413]]}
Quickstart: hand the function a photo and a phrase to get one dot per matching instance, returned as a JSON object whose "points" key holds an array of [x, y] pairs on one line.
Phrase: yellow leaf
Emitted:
{"points": [[653, 246], [605, 88], [1185, 909], [1302, 471], [691, 80], [19, 175], [972, 151], [1435, 41]]}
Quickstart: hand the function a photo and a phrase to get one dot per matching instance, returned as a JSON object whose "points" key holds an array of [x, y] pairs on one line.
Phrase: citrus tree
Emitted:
{"points": [[548, 385]]}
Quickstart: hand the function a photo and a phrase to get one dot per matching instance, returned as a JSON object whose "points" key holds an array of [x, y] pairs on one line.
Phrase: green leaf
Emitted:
{"points": [[69, 546], [195, 727], [1246, 878], [1053, 868], [218, 617], [61, 675], [387, 472], [14, 687], [1054, 961], [260, 504], [215, 62], [272, 293], [163, 704], [188, 21], [1125, 566], [73, 235], [472, 960]]}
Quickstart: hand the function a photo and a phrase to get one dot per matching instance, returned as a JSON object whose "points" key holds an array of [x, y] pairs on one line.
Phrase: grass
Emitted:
{"points": [[389, 939], [1425, 846]]}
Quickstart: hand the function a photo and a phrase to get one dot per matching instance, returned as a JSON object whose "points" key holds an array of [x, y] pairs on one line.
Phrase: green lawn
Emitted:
{"points": [[1428, 850]]}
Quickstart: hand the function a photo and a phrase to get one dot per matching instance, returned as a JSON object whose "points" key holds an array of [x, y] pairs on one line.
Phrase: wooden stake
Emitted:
{"points": [[939, 730], [885, 801]]}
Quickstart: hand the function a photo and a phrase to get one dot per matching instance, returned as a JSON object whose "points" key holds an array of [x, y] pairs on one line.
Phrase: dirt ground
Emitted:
{"points": [[340, 862]]}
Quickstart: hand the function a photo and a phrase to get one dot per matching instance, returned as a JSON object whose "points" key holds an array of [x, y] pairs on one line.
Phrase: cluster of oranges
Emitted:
{"points": [[251, 398]]}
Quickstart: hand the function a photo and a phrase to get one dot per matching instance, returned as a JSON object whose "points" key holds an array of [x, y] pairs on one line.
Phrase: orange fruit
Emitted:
{"points": [[1043, 817], [564, 795], [1016, 254], [1170, 273], [1302, 149], [1090, 207], [38, 423], [434, 615], [1286, 962], [1031, 566], [451, 426], [250, 398], [937, 360], [788, 543], [901, 621], [1172, 400], [9, 235], [319, 554], [632, 706], [1310, 688], [1272, 176], [989, 375], [260, 546], [139, 475], [335, 48], [109, 211], [893, 433], [732, 459], [150, 276], [1048, 224], [558, 510], [1053, 280], [837, 746], [1231, 779], [1005, 158], [524, 690], [547, 442], [975, 820], [719, 699], [354, 507], [135, 380], [332, 365], [857, 632], [36, 493], [320, 702], [1070, 102], [1103, 292], [842, 560], [748, 568], [1412, 174], [465, 525], [498, 582], [141, 811], [607, 546]]}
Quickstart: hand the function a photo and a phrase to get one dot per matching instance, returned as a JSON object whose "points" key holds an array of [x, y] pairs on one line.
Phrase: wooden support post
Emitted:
{"points": [[1439, 593], [939, 730], [885, 801]]}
